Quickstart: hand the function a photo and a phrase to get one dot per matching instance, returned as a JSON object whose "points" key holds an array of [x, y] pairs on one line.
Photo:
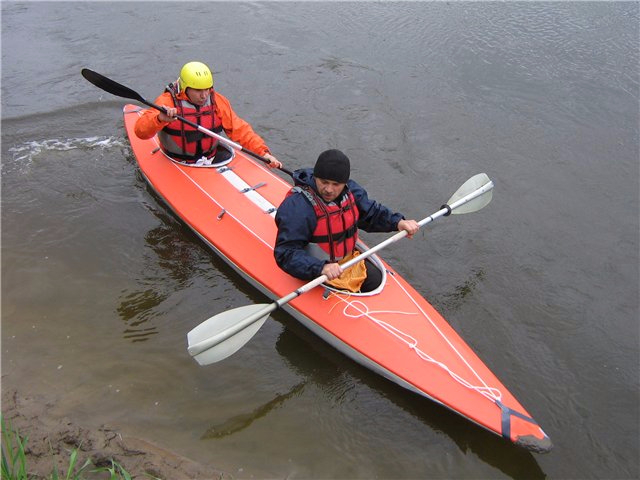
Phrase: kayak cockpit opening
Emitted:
{"points": [[373, 262], [224, 155]]}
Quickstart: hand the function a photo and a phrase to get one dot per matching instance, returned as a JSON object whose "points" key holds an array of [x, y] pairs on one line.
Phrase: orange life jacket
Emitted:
{"points": [[336, 232], [184, 142]]}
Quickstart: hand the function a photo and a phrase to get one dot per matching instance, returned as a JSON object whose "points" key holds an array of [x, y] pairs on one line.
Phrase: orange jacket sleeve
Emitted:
{"points": [[237, 129], [148, 124]]}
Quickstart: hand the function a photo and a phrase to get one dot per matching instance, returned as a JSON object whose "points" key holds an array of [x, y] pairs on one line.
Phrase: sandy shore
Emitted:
{"points": [[50, 441]]}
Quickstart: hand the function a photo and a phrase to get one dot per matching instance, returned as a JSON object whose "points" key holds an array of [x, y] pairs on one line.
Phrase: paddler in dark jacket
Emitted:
{"points": [[318, 225]]}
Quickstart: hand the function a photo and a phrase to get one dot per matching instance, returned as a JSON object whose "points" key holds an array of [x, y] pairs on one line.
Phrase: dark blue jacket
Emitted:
{"points": [[296, 221]]}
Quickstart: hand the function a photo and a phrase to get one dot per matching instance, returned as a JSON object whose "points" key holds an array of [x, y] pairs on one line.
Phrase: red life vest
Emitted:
{"points": [[185, 142], [336, 232]]}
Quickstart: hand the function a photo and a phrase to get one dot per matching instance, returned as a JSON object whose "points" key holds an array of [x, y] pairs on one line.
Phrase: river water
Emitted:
{"points": [[100, 283]]}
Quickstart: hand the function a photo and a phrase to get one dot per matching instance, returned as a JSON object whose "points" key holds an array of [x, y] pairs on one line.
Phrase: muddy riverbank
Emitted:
{"points": [[51, 439]]}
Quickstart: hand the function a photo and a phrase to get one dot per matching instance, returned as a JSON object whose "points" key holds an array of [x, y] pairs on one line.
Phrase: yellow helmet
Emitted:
{"points": [[195, 75]]}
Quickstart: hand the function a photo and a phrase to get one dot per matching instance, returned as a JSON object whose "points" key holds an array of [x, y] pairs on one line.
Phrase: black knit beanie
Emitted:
{"points": [[332, 165]]}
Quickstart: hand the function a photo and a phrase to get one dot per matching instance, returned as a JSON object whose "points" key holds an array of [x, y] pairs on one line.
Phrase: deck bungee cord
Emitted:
{"points": [[491, 393]]}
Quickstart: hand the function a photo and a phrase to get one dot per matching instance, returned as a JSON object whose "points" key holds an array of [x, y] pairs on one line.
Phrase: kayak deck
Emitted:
{"points": [[394, 332]]}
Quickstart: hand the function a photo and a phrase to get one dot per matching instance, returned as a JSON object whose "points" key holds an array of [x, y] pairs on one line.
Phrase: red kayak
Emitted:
{"points": [[393, 330]]}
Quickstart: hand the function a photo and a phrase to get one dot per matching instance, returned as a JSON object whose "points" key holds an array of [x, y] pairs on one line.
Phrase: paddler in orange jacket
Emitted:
{"points": [[194, 98]]}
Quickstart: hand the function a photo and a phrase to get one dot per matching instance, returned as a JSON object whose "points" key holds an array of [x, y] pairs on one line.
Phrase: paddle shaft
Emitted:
{"points": [[119, 90], [268, 309]]}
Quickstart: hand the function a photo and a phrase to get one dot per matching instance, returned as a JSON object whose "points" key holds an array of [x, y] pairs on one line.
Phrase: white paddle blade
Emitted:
{"points": [[474, 183], [220, 326]]}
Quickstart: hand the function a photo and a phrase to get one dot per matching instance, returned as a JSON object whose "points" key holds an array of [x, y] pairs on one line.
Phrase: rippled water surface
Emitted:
{"points": [[100, 283]]}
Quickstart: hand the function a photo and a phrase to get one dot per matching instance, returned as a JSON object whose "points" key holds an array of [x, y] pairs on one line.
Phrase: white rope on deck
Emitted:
{"points": [[362, 310]]}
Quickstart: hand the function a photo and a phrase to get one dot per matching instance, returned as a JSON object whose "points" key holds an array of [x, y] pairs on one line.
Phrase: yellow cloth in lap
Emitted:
{"points": [[353, 277]]}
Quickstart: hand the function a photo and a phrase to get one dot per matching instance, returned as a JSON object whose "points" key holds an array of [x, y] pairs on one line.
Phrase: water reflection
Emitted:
{"points": [[177, 258], [135, 310], [454, 300], [242, 421]]}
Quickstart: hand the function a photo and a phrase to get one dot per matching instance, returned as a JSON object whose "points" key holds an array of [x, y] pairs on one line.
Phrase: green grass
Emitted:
{"points": [[14, 461], [14, 465]]}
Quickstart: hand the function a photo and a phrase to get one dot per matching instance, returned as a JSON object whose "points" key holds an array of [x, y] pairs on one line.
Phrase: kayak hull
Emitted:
{"points": [[394, 332]]}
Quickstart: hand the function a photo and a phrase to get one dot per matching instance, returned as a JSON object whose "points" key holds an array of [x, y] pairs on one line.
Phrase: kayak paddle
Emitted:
{"points": [[225, 333], [119, 90]]}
